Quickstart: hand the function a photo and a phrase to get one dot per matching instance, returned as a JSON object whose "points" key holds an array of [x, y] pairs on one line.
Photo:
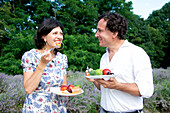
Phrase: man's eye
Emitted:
{"points": [[99, 30]]}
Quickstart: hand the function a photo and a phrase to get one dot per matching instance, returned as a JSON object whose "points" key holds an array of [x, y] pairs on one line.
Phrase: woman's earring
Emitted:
{"points": [[61, 46], [45, 47]]}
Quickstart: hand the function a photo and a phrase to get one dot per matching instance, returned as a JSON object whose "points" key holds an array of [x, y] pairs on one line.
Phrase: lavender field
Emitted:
{"points": [[12, 94]]}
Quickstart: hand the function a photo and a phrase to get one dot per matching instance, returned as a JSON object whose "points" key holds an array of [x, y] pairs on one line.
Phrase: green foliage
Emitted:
{"points": [[160, 101], [13, 51], [42, 10], [6, 27], [20, 19], [156, 52], [82, 51], [77, 16], [88, 102], [119, 6], [150, 39], [160, 19], [12, 94]]}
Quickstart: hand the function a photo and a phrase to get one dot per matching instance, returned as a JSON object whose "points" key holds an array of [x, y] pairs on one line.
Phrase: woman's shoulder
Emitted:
{"points": [[29, 53], [61, 54]]}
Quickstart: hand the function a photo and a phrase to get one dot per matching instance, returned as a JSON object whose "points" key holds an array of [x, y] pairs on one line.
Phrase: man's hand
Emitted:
{"points": [[87, 74], [111, 83]]}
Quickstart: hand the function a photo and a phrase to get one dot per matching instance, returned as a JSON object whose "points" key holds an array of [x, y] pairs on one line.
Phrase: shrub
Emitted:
{"points": [[13, 51], [12, 94], [86, 102], [81, 50], [160, 101]]}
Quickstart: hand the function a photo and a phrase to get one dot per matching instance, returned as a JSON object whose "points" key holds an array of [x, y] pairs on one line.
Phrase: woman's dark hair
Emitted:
{"points": [[44, 29], [115, 23]]}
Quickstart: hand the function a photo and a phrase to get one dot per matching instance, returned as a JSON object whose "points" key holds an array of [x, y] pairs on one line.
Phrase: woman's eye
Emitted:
{"points": [[55, 33]]}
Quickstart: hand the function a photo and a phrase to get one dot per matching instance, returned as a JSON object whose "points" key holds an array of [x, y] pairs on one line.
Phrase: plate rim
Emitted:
{"points": [[59, 92], [100, 76]]}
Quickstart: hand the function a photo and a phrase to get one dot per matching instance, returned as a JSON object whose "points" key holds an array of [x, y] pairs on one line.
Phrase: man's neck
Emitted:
{"points": [[115, 47]]}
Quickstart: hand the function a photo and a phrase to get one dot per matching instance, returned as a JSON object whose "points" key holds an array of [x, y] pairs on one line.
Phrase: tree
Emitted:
{"points": [[159, 19], [119, 6], [13, 51], [149, 38], [157, 52], [77, 16], [6, 29], [82, 51], [19, 19]]}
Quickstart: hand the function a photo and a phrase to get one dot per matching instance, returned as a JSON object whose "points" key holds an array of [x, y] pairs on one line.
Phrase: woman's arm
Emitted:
{"points": [[65, 80], [32, 79]]}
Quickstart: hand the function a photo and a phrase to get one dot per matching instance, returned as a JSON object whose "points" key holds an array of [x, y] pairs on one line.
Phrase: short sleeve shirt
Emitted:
{"points": [[40, 100]]}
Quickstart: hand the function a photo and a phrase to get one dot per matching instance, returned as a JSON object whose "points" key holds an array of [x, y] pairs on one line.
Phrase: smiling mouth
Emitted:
{"points": [[58, 41], [100, 39]]}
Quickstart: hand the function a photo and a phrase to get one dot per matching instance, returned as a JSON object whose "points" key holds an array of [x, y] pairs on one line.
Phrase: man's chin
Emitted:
{"points": [[101, 45]]}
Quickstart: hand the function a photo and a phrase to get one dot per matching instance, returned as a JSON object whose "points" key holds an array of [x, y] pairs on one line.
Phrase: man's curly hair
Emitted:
{"points": [[115, 23]]}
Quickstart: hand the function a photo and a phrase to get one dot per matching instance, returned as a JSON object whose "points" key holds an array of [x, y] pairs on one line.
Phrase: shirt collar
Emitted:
{"points": [[125, 44]]}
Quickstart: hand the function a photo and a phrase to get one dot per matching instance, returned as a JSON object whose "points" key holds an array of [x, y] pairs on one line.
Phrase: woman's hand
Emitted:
{"points": [[45, 59]]}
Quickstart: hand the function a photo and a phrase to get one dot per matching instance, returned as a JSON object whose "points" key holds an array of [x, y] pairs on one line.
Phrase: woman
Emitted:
{"points": [[44, 69]]}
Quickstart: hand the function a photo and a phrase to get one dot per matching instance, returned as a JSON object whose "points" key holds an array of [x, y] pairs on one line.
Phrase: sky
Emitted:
{"points": [[144, 8]]}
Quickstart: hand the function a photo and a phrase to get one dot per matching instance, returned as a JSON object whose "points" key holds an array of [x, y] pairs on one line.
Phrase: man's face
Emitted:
{"points": [[103, 34]]}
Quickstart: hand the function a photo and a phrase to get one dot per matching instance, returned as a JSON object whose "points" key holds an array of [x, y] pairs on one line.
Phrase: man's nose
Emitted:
{"points": [[96, 35]]}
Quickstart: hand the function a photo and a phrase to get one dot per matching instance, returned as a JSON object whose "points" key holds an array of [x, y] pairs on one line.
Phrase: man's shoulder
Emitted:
{"points": [[135, 47]]}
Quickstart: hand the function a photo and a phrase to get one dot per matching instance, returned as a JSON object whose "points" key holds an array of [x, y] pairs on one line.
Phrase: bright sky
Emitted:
{"points": [[144, 8]]}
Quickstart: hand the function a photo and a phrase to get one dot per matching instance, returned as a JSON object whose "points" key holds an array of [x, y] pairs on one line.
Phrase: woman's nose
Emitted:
{"points": [[60, 36]]}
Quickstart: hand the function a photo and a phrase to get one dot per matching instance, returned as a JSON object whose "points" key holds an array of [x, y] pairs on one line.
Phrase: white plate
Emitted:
{"points": [[105, 77], [57, 91]]}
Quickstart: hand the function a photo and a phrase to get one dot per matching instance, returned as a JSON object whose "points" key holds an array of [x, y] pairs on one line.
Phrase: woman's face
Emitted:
{"points": [[55, 36]]}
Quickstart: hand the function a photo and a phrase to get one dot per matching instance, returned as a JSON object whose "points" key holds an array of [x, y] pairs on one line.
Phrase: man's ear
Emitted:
{"points": [[115, 34]]}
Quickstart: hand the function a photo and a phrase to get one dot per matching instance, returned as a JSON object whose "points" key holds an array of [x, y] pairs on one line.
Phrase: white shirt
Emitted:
{"points": [[131, 64]]}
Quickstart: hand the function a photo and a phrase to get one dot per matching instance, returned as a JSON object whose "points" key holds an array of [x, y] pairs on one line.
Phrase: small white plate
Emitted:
{"points": [[57, 91], [105, 77]]}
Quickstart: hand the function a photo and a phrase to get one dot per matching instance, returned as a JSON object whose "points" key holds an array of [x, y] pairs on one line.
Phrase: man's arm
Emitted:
{"points": [[130, 88], [97, 85]]}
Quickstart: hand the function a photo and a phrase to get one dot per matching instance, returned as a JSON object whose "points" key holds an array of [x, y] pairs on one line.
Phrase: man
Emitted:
{"points": [[131, 65]]}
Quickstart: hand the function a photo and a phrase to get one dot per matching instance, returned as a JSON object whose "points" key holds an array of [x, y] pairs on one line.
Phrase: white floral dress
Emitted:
{"points": [[41, 100]]}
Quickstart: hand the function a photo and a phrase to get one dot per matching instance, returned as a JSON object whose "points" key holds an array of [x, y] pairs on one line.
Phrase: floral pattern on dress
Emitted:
{"points": [[41, 100]]}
